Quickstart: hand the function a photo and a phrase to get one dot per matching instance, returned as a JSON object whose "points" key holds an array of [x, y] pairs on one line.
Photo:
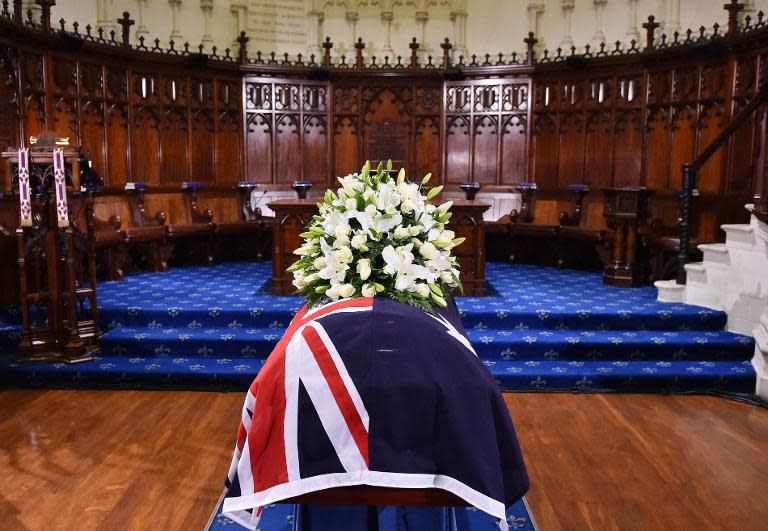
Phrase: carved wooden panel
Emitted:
{"points": [[458, 144], [427, 146], [286, 133], [145, 145], [33, 107], [287, 148], [628, 148], [315, 151], [682, 144], [201, 155], [545, 140], [571, 147], [599, 149], [174, 146], [513, 149], [485, 139], [496, 114], [258, 142], [657, 148], [346, 145]]}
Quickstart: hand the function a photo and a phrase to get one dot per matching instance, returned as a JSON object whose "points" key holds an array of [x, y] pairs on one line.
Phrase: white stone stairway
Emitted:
{"points": [[732, 277]]}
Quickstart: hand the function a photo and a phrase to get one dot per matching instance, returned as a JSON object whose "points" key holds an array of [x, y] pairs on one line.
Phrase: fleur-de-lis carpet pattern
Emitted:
{"points": [[541, 329], [281, 517]]}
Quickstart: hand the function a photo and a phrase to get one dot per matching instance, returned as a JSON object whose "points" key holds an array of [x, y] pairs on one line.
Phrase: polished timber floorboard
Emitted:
{"points": [[150, 460]]}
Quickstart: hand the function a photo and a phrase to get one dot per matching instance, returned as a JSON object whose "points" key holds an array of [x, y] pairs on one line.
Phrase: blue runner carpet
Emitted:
{"points": [[540, 329]]}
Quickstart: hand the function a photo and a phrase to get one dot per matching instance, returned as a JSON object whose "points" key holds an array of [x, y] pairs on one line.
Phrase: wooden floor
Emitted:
{"points": [[85, 460]]}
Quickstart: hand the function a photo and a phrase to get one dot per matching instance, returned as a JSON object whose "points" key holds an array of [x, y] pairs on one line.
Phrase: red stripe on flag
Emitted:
{"points": [[339, 390]]}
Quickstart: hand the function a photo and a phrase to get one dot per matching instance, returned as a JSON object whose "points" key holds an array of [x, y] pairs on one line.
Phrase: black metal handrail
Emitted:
{"points": [[690, 172]]}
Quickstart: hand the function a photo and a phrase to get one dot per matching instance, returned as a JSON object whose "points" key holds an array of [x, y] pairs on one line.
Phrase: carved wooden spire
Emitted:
{"points": [[327, 45], [530, 42], [446, 46], [242, 40], [414, 46], [733, 8], [126, 22], [650, 29], [359, 47]]}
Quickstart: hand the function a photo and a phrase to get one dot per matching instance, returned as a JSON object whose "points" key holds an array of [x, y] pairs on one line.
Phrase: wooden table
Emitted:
{"points": [[292, 215]]}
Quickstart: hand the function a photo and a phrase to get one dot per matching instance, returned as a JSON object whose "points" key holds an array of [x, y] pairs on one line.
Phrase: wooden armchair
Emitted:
{"points": [[105, 227], [147, 232], [583, 239], [189, 230], [243, 230], [532, 231]]}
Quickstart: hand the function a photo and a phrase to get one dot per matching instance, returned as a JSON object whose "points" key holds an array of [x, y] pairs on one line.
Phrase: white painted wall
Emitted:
{"points": [[486, 26]]}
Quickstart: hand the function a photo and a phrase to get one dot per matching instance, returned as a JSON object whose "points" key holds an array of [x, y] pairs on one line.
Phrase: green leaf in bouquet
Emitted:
{"points": [[457, 241]]}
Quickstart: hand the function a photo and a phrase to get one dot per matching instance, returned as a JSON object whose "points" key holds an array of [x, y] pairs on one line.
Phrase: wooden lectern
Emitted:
{"points": [[291, 216], [56, 265], [625, 210], [467, 222]]}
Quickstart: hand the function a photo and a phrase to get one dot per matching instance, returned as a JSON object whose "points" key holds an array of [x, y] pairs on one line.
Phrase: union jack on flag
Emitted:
{"points": [[374, 392]]}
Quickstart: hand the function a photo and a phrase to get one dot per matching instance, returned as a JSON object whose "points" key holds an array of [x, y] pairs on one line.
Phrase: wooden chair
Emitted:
{"points": [[105, 222], [583, 239], [240, 230], [188, 229], [147, 234], [533, 228]]}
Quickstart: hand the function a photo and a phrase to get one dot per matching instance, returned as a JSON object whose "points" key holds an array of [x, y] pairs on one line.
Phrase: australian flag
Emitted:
{"points": [[369, 391]]}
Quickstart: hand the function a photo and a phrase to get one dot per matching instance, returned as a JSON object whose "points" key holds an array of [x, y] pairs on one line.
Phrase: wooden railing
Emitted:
{"points": [[690, 172]]}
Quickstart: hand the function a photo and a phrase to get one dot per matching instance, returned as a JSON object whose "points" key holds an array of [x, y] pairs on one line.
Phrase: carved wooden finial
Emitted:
{"points": [[126, 22], [242, 40], [414, 46], [45, 14], [18, 15], [327, 45], [359, 47], [530, 42], [446, 46], [733, 8], [650, 28]]}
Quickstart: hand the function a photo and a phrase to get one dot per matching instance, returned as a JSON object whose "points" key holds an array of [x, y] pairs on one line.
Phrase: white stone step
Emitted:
{"points": [[670, 291], [696, 273], [715, 254], [739, 235], [703, 285]]}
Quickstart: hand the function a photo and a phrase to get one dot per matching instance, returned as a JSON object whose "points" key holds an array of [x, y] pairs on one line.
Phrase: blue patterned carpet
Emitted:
{"points": [[543, 328], [283, 517]]}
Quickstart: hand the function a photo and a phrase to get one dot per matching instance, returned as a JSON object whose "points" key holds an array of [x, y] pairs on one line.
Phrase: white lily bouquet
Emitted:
{"points": [[379, 236]]}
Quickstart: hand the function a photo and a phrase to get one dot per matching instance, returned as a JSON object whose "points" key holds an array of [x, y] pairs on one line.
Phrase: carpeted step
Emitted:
{"points": [[166, 341], [643, 316], [127, 372], [652, 376], [237, 373], [580, 345]]}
